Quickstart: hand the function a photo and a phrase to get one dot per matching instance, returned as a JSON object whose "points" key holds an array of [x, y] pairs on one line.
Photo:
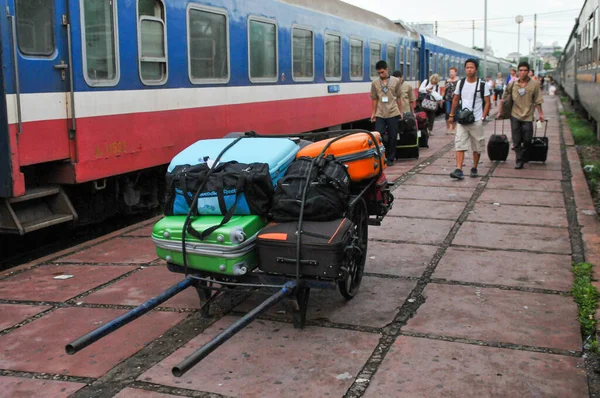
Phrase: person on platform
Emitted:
{"points": [[451, 83], [408, 94]]}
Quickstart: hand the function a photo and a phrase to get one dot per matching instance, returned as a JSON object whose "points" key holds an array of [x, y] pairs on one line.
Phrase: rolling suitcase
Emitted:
{"points": [[498, 146], [407, 146], [357, 151], [278, 153], [538, 149], [423, 138], [229, 250], [322, 250]]}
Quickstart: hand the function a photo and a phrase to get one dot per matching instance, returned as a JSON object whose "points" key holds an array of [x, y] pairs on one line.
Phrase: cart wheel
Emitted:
{"points": [[355, 258], [205, 294]]}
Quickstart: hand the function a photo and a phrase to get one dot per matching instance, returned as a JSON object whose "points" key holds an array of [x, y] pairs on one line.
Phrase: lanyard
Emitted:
{"points": [[384, 89]]}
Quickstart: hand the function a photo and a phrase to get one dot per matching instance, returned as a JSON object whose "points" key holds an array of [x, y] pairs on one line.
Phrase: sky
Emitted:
{"points": [[555, 19]]}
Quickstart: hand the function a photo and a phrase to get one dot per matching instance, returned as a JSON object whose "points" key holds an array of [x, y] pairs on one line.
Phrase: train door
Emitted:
{"points": [[40, 96]]}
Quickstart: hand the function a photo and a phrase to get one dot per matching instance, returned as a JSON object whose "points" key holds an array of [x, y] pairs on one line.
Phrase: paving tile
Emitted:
{"points": [[412, 230], [39, 345], [416, 367], [13, 314], [445, 170], [524, 185], [433, 193], [554, 164], [399, 259], [426, 209], [496, 236], [137, 393], [117, 251], [144, 232], [523, 198], [433, 180], [375, 305], [21, 387], [39, 284], [313, 362], [496, 267], [529, 173], [142, 286], [494, 315], [526, 215]]}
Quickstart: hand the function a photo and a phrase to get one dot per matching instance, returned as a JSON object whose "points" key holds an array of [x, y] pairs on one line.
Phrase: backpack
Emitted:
{"points": [[466, 116], [327, 195]]}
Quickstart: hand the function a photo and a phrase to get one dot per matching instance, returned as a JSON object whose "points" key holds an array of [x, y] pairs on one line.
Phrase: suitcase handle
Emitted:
{"points": [[545, 127], [293, 261], [496, 120]]}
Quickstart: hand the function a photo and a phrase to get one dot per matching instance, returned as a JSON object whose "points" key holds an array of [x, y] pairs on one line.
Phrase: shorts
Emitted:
{"points": [[472, 133]]}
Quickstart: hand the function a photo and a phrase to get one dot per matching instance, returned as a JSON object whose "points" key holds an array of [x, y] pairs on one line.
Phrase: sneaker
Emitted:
{"points": [[390, 162], [519, 165], [458, 174], [474, 172]]}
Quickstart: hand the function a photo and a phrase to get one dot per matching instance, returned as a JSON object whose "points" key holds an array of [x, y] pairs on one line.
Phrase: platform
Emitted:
{"points": [[466, 293]]}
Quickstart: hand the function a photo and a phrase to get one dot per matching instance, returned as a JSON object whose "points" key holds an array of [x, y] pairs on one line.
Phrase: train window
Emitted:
{"points": [[356, 59], [333, 56], [431, 62], [302, 54], [401, 61], [375, 57], [208, 45], [100, 46], [263, 51], [446, 71], [152, 42], [35, 27], [391, 57], [408, 70], [417, 65], [441, 66]]}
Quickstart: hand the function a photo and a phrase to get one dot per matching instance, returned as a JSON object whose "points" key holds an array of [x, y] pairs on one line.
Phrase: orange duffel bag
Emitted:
{"points": [[357, 151]]}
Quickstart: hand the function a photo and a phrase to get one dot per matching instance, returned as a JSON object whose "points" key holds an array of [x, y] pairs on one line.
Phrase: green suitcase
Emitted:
{"points": [[229, 250]]}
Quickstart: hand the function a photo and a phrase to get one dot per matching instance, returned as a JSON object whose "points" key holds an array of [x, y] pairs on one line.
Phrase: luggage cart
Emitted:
{"points": [[369, 203]]}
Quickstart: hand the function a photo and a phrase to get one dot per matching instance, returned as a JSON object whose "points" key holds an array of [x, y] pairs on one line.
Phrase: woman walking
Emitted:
{"points": [[498, 89], [448, 95], [430, 92]]}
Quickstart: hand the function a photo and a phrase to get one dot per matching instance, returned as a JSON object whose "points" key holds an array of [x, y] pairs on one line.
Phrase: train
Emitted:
{"points": [[99, 95], [578, 68]]}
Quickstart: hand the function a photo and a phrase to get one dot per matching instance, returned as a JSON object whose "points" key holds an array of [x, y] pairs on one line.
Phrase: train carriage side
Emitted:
{"points": [[112, 90]]}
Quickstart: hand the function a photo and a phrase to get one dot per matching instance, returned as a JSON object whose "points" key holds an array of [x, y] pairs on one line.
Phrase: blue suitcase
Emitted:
{"points": [[278, 153]]}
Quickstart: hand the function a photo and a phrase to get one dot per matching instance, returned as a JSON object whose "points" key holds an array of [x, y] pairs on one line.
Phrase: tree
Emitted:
{"points": [[557, 54], [547, 66]]}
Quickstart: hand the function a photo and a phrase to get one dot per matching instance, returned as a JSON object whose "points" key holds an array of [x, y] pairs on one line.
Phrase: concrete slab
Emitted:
{"points": [[40, 345], [494, 315], [144, 232], [270, 359], [528, 172], [523, 198], [553, 163], [524, 185], [22, 388], [137, 393], [412, 230], [433, 193], [400, 259], [13, 314], [525, 215], [432, 180], [446, 168], [375, 305], [426, 209], [142, 286], [495, 267], [42, 281], [496, 236], [116, 251], [416, 367]]}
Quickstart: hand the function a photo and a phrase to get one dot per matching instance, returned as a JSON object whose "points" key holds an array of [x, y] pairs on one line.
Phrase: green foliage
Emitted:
{"points": [[586, 297], [547, 66], [557, 54], [583, 130]]}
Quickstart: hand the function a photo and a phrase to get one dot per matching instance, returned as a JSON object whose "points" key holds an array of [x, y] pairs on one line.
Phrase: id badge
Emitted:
{"points": [[384, 99], [521, 92]]}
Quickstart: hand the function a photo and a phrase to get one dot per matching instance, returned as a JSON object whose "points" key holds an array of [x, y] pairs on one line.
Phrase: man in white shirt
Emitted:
{"points": [[474, 96]]}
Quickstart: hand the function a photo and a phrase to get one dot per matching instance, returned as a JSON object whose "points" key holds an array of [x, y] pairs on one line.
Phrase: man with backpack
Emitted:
{"points": [[386, 96], [471, 103]]}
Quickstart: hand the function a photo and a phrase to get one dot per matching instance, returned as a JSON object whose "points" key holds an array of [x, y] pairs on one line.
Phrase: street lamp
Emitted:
{"points": [[485, 22], [519, 20]]}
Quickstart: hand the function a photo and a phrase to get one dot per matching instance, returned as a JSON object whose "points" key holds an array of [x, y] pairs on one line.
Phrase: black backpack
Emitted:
{"points": [[327, 194]]}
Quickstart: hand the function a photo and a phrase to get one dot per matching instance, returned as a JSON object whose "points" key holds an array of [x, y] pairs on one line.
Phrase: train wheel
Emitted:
{"points": [[356, 255]]}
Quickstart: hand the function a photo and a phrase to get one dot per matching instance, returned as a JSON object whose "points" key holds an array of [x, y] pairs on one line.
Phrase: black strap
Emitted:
{"points": [[220, 193]]}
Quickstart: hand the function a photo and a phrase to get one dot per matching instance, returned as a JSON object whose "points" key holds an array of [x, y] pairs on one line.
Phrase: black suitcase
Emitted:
{"points": [[538, 149], [408, 122], [424, 139], [498, 145], [322, 249], [407, 146]]}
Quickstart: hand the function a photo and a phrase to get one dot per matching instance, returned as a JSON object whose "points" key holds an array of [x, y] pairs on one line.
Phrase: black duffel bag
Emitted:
{"points": [[408, 122], [327, 194], [223, 187]]}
